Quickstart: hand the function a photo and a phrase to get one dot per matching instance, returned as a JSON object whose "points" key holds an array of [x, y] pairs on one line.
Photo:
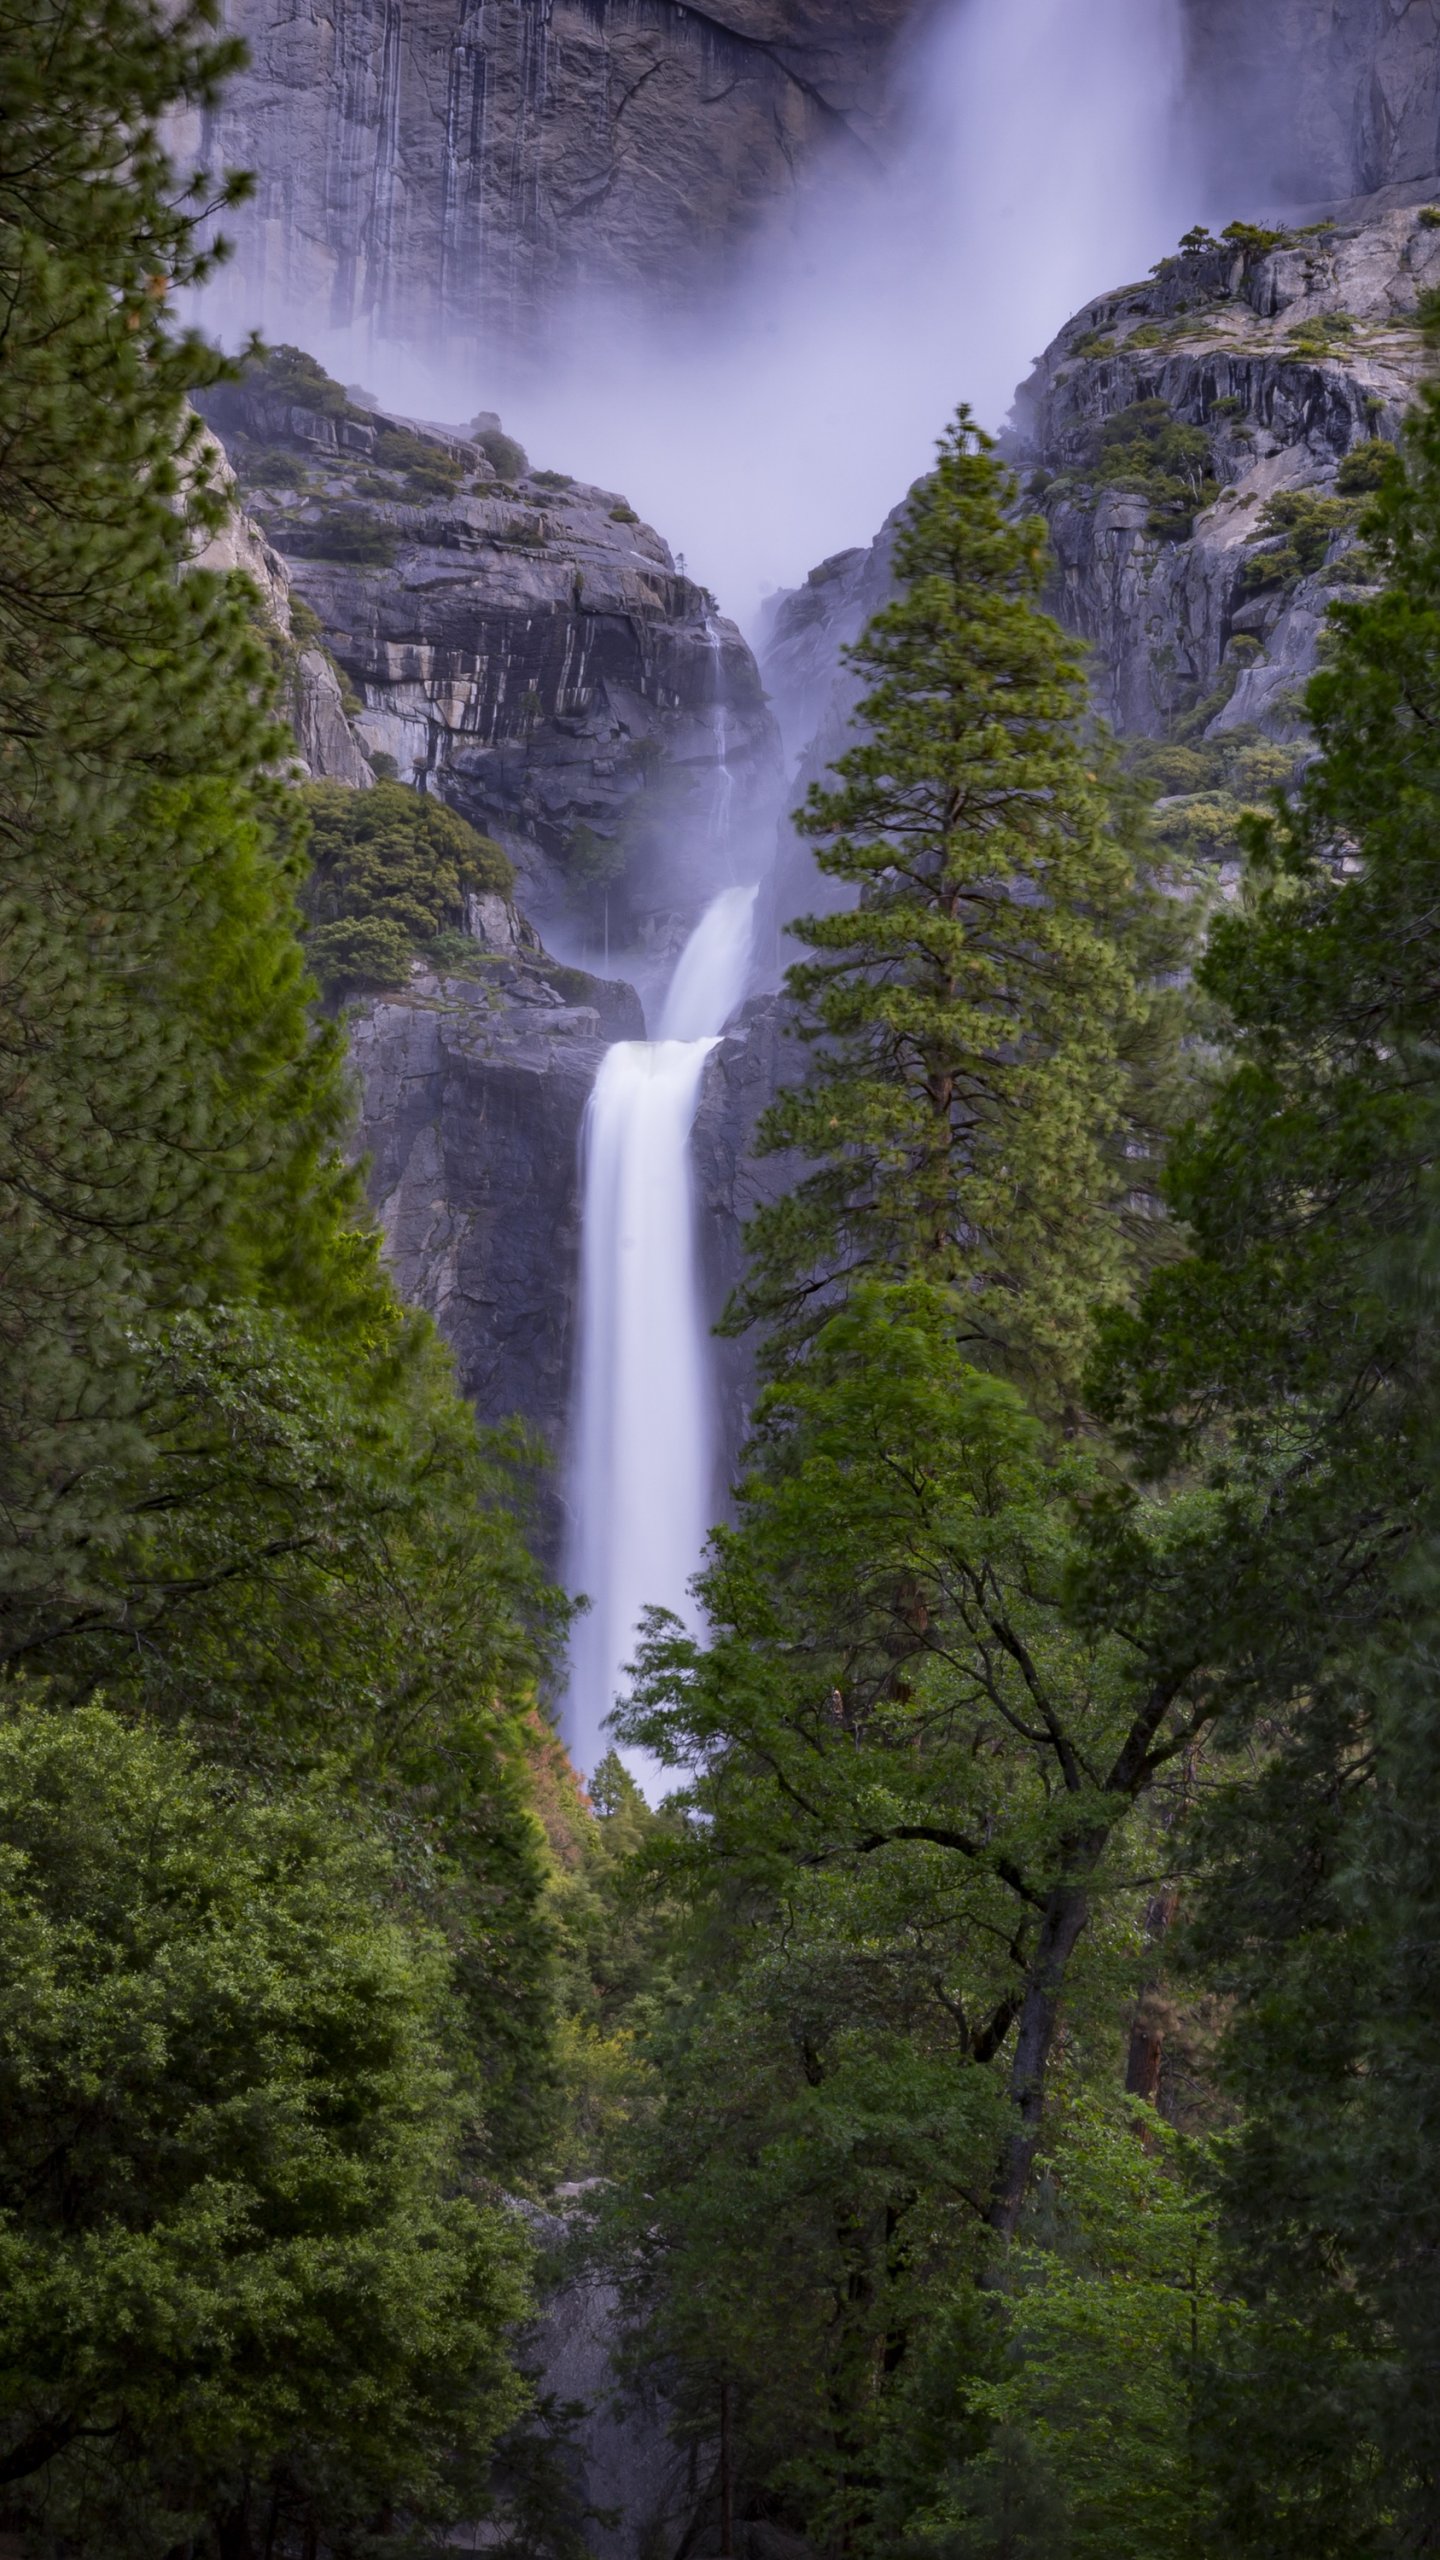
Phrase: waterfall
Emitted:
{"points": [[642, 1480]]}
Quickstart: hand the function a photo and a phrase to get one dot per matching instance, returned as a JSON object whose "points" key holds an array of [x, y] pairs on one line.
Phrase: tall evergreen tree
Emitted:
{"points": [[237, 1487], [1292, 1354], [920, 1765], [986, 1022]]}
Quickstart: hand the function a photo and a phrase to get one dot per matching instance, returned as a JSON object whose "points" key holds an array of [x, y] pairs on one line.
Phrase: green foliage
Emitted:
{"points": [[390, 869], [984, 1030], [506, 458], [1145, 447], [1292, 1356], [623, 515], [1366, 467], [552, 480], [1256, 240], [276, 467], [350, 534], [1326, 333], [237, 2255], [920, 1773], [616, 1939], [238, 1489], [288, 373], [430, 472], [1302, 526], [1096, 2436]]}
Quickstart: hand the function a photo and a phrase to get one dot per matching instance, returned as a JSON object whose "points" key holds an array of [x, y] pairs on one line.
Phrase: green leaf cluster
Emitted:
{"points": [[1291, 1356], [238, 2240], [389, 873], [1146, 447]]}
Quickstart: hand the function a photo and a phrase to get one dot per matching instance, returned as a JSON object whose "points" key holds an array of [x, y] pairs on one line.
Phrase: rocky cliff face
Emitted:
{"points": [[1305, 100], [472, 1097], [526, 648], [472, 1102], [426, 170], [1186, 440], [312, 695], [1280, 363], [426, 167]]}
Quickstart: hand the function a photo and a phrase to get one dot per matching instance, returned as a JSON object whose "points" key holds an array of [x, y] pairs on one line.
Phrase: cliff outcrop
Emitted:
{"points": [[1304, 101], [524, 647], [472, 1096], [1197, 445], [312, 696]]}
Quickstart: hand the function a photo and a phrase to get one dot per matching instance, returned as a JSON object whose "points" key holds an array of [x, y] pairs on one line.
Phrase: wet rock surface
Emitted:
{"points": [[312, 693], [1308, 99], [1286, 362], [432, 170], [472, 1096], [526, 649], [436, 168]]}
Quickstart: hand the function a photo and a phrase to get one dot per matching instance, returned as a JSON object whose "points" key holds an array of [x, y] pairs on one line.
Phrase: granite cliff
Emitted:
{"points": [[526, 650], [425, 168], [521, 645], [1199, 445], [1307, 100], [1278, 359], [426, 171]]}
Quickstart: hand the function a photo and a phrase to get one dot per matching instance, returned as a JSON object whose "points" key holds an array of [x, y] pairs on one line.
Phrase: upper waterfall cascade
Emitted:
{"points": [[642, 1481]]}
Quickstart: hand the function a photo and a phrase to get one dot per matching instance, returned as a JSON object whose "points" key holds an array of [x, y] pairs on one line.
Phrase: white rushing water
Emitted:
{"points": [[642, 1483]]}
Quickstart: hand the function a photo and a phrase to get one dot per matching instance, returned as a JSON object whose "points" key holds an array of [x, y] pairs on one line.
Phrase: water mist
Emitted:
{"points": [[1037, 157]]}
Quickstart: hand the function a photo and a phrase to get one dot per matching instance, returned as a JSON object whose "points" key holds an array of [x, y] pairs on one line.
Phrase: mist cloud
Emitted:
{"points": [[1040, 158]]}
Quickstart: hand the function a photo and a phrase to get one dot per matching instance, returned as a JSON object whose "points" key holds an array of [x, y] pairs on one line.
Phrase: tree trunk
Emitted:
{"points": [[232, 2533], [1066, 1914], [1147, 2035]]}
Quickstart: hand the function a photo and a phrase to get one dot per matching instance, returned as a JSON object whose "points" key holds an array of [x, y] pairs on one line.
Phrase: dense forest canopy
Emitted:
{"points": [[1001, 2081]]}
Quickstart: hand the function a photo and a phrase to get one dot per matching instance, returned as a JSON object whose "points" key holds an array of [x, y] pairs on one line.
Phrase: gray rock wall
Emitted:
{"points": [[1232, 347], [428, 170], [426, 167], [530, 653], [1286, 362], [472, 1098], [1305, 100]]}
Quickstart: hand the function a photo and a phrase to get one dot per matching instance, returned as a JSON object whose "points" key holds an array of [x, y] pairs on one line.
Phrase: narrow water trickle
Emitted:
{"points": [[722, 813], [642, 1480]]}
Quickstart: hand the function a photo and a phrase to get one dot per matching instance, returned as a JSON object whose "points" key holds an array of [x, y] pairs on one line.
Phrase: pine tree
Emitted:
{"points": [[1292, 1356], [986, 1024], [238, 1491]]}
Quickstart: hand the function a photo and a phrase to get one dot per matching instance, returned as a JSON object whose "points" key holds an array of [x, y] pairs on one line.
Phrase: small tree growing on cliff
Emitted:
{"points": [[985, 1020]]}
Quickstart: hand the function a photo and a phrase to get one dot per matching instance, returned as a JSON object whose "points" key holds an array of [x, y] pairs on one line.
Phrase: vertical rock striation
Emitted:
{"points": [[526, 649], [425, 167]]}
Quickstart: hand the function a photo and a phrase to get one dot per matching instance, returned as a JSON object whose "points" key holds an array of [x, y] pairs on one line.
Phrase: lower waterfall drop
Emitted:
{"points": [[642, 1479]]}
